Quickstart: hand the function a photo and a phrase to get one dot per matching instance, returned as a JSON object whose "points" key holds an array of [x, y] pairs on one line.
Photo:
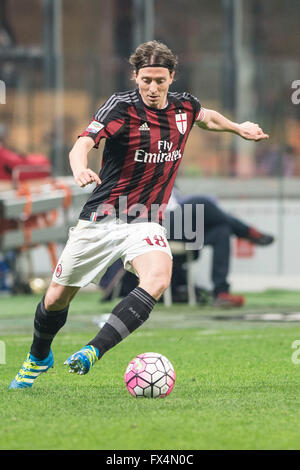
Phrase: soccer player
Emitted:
{"points": [[146, 130]]}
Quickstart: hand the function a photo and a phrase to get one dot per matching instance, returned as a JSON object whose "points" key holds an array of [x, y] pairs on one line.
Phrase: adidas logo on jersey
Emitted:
{"points": [[144, 127]]}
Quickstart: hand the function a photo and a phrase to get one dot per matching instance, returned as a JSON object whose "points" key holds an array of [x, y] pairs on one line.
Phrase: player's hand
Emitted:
{"points": [[85, 177], [250, 131]]}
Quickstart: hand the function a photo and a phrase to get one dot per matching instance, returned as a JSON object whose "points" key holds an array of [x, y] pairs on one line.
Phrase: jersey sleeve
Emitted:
{"points": [[201, 115], [107, 121], [196, 106]]}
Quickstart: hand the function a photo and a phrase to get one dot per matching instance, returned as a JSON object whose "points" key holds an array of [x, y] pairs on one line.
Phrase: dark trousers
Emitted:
{"points": [[218, 228]]}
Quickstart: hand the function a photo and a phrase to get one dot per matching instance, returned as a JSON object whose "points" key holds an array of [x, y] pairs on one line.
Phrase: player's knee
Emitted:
{"points": [[156, 284], [56, 300], [58, 297], [161, 284], [54, 304]]}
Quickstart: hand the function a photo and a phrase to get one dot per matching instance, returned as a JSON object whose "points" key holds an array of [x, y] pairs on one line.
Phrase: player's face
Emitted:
{"points": [[153, 83]]}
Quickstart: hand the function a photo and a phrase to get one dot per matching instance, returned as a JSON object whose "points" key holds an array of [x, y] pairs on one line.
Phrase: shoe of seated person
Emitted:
{"points": [[227, 300], [259, 238]]}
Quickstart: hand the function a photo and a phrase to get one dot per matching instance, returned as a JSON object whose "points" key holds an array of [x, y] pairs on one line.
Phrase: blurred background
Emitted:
{"points": [[59, 61]]}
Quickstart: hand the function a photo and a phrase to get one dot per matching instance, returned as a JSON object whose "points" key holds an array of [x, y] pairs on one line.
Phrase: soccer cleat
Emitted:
{"points": [[259, 238], [226, 300], [81, 361], [30, 370]]}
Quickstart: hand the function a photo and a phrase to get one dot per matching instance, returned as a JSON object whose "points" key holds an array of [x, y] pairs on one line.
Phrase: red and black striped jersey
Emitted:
{"points": [[143, 150]]}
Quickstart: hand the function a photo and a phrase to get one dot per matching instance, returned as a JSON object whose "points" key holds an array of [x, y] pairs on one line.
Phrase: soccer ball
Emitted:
{"points": [[150, 375]]}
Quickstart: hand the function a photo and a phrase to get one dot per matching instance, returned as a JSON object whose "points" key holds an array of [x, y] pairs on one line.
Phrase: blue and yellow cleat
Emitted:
{"points": [[30, 370], [81, 361]]}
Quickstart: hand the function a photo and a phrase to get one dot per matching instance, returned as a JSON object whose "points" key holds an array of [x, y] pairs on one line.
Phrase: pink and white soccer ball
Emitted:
{"points": [[150, 375]]}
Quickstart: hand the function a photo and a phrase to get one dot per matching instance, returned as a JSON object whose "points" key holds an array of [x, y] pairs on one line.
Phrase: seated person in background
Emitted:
{"points": [[19, 166], [219, 226]]}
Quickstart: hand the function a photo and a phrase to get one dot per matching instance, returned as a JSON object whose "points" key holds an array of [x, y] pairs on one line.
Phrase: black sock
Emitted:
{"points": [[46, 325], [126, 317]]}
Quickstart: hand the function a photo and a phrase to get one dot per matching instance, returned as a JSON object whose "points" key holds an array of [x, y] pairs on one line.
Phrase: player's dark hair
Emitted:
{"points": [[155, 54]]}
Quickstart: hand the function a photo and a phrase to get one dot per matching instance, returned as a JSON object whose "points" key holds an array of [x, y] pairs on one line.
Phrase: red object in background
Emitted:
{"points": [[243, 248], [22, 167]]}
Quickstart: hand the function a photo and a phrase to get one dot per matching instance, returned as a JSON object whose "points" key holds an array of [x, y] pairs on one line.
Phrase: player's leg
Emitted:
{"points": [[50, 317], [154, 270], [51, 314]]}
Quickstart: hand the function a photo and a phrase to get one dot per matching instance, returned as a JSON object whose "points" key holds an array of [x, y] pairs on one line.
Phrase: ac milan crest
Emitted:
{"points": [[58, 270], [181, 122]]}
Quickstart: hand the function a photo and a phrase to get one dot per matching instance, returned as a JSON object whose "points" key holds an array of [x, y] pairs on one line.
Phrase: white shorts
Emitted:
{"points": [[93, 246]]}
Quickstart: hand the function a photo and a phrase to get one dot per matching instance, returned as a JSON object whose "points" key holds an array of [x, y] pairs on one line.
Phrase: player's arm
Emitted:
{"points": [[79, 162], [211, 120]]}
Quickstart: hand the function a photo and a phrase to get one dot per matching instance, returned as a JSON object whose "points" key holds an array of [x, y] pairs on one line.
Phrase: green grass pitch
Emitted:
{"points": [[236, 387]]}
